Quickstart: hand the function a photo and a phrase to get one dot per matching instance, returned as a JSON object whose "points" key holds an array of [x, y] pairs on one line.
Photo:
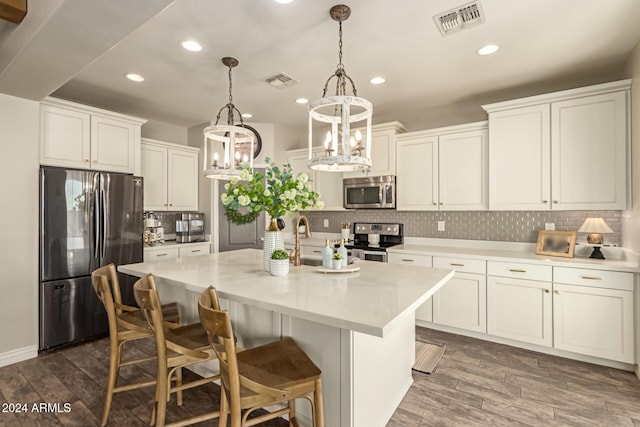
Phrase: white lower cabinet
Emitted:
{"points": [[424, 313], [519, 310], [162, 253], [594, 320], [462, 303], [194, 250]]}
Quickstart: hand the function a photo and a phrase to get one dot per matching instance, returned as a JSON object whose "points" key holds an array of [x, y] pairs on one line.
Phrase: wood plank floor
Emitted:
{"points": [[476, 383]]}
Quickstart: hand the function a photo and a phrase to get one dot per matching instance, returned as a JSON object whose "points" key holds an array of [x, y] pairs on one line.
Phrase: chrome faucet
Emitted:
{"points": [[296, 253]]}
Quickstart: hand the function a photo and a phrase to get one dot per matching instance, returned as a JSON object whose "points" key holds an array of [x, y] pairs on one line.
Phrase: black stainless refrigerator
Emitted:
{"points": [[87, 220]]}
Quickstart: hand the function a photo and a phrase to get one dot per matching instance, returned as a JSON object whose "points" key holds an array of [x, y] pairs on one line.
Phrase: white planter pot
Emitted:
{"points": [[272, 240], [337, 264], [279, 267]]}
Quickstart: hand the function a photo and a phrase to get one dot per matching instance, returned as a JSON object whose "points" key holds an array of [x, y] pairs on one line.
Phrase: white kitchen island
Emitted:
{"points": [[358, 327]]}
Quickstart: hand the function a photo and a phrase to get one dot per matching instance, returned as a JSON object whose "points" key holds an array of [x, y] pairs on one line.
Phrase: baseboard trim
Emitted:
{"points": [[637, 371], [18, 355]]}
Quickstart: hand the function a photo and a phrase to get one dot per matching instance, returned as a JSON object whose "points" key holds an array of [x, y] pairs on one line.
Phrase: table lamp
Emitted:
{"points": [[595, 227]]}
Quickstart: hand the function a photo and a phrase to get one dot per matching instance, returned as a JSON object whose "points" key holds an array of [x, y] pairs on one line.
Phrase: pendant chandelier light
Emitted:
{"points": [[341, 114], [226, 147]]}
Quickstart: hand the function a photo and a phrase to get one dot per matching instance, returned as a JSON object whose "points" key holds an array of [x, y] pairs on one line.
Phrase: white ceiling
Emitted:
{"points": [[542, 42]]}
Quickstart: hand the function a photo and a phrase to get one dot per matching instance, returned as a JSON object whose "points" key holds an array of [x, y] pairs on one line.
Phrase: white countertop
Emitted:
{"points": [[367, 301], [525, 253]]}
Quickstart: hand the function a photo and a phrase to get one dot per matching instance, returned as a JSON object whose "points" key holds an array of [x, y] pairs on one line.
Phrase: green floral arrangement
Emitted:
{"points": [[337, 256], [276, 192], [280, 254]]}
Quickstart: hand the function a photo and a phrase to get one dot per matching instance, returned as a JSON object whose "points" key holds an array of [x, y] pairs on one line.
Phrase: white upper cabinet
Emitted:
{"points": [[565, 150], [328, 184], [170, 174], [383, 150], [76, 136], [519, 159], [443, 169]]}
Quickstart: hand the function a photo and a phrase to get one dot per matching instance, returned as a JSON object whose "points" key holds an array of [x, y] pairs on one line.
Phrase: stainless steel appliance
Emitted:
{"points": [[190, 227], [374, 192], [364, 236], [87, 220]]}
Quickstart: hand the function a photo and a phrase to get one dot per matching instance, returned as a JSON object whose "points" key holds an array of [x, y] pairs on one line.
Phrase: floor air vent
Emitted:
{"points": [[461, 17], [281, 80]]}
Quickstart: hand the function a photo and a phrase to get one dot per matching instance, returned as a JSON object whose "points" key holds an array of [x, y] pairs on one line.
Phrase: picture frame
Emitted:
{"points": [[556, 243]]}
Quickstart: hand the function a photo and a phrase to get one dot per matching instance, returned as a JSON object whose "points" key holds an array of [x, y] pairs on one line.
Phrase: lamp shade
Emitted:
{"points": [[595, 225]]}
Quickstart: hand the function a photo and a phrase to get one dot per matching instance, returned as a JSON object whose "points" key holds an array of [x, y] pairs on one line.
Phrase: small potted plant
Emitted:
{"points": [[279, 263], [337, 261]]}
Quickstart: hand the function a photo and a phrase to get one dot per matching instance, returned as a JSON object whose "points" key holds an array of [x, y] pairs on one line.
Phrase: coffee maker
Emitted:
{"points": [[153, 230]]}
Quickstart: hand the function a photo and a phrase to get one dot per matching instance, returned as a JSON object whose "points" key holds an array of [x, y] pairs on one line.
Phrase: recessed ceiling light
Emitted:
{"points": [[284, 1], [488, 49], [134, 77], [302, 100], [192, 45], [377, 80], [247, 115]]}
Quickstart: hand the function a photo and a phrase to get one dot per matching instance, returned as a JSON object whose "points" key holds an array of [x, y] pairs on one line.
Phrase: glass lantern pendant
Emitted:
{"points": [[226, 147], [336, 117]]}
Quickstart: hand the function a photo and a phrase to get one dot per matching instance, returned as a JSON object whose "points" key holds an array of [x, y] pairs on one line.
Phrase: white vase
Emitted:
{"points": [[337, 264], [279, 267], [272, 240]]}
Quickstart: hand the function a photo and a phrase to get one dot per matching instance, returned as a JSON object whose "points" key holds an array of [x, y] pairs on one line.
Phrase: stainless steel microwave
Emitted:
{"points": [[373, 192]]}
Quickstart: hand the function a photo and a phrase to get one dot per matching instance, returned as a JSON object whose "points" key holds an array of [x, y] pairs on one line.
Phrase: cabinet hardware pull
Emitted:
{"points": [[170, 204], [441, 203], [407, 260], [316, 252], [555, 201], [590, 278], [434, 203], [455, 264], [556, 292], [546, 291], [162, 254], [196, 250], [95, 162], [514, 270], [86, 160], [545, 201]]}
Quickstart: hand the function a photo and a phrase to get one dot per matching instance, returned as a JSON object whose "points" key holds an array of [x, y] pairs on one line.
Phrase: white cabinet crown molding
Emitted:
{"points": [[465, 127], [172, 145], [562, 95], [56, 102]]}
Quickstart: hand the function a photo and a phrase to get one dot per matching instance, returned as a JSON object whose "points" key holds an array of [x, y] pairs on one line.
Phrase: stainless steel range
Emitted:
{"points": [[371, 240]]}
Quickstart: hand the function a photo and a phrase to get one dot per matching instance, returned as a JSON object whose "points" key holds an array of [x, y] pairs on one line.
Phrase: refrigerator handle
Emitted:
{"points": [[103, 220], [96, 218]]}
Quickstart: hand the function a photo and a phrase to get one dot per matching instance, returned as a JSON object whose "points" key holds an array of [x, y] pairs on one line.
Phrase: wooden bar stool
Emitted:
{"points": [[126, 324], [177, 347], [278, 372]]}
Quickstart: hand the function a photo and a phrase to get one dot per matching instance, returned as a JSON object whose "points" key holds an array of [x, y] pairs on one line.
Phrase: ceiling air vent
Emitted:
{"points": [[461, 17], [281, 80]]}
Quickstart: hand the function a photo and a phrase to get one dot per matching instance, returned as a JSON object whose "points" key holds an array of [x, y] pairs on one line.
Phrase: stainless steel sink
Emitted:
{"points": [[311, 261]]}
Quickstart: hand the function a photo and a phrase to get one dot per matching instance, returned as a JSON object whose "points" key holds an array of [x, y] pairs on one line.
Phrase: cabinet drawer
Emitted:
{"points": [[595, 278], [463, 265], [162, 254], [518, 270], [311, 250], [193, 250], [410, 259]]}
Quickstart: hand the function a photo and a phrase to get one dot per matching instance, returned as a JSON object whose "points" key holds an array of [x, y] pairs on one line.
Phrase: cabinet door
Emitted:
{"points": [[182, 180], [383, 155], [464, 173], [417, 176], [589, 152], [593, 321], [153, 163], [329, 185], [65, 137], [462, 303], [519, 159], [112, 145], [519, 310]]}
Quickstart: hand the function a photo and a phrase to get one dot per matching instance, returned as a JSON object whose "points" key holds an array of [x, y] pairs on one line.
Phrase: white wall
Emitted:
{"points": [[165, 132], [19, 126]]}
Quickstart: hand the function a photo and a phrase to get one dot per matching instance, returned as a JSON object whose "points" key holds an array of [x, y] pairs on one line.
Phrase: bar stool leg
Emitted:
{"points": [[224, 408], [114, 363], [317, 398], [292, 413]]}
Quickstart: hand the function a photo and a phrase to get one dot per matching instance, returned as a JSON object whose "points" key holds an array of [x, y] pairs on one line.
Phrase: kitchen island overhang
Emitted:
{"points": [[358, 327]]}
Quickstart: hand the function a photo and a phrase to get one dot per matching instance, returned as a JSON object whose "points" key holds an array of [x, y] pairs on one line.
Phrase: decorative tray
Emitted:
{"points": [[348, 269]]}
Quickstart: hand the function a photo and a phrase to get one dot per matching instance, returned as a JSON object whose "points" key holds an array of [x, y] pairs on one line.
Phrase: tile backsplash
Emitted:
{"points": [[509, 226]]}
